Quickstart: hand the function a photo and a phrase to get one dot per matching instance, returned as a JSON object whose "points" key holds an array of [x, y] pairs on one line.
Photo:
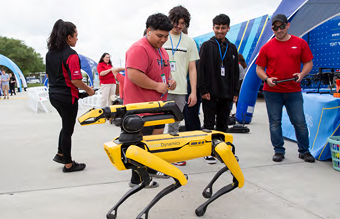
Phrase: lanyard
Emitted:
{"points": [[159, 50], [172, 47], [219, 47]]}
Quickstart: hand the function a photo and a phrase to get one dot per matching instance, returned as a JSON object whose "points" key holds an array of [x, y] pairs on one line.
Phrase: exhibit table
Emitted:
{"points": [[322, 112]]}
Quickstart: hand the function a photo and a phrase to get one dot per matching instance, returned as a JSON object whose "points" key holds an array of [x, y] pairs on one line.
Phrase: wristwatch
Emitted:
{"points": [[265, 80]]}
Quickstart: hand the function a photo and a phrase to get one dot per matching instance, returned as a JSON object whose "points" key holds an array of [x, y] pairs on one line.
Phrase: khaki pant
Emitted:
{"points": [[5, 89], [107, 91]]}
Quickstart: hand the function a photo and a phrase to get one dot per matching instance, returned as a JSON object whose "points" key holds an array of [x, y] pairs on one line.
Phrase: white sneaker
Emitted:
{"points": [[210, 160]]}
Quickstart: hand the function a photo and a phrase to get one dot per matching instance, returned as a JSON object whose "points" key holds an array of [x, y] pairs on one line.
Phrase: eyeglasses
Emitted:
{"points": [[282, 27]]}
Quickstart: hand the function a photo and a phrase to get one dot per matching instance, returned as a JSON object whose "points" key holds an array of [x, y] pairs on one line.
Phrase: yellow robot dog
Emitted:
{"points": [[133, 151]]}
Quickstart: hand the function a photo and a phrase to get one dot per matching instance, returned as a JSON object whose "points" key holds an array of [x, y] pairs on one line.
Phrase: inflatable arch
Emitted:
{"points": [[15, 69]]}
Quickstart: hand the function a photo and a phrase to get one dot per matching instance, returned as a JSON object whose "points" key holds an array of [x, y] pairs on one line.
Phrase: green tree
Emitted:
{"points": [[26, 58]]}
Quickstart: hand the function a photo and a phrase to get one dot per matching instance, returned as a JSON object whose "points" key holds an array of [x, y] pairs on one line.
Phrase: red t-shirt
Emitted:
{"points": [[142, 56], [121, 79], [109, 78], [282, 59]]}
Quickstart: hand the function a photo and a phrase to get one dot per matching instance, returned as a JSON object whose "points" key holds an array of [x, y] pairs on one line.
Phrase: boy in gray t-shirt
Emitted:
{"points": [[5, 83]]}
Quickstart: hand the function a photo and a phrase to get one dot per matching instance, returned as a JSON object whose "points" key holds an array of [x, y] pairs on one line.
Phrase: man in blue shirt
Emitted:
{"points": [[5, 83]]}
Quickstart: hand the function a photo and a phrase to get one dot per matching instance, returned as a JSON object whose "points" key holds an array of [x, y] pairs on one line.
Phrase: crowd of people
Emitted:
{"points": [[165, 64]]}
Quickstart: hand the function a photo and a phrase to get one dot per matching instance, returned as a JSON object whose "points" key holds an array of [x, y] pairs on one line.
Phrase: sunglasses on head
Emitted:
{"points": [[282, 26]]}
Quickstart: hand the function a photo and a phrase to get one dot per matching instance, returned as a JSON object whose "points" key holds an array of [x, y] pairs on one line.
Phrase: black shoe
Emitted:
{"points": [[75, 167], [307, 157], [59, 159], [278, 157]]}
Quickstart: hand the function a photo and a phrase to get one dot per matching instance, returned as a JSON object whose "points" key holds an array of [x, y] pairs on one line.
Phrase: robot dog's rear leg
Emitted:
{"points": [[112, 214], [225, 153], [207, 192], [202, 208], [160, 195]]}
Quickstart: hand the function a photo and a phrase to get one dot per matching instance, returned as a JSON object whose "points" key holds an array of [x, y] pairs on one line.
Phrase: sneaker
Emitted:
{"points": [[159, 175], [75, 167], [278, 157], [59, 159], [182, 163], [152, 184], [307, 157], [210, 160]]}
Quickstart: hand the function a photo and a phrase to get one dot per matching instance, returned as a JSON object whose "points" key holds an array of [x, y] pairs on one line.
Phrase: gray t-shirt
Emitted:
{"points": [[242, 72], [4, 77]]}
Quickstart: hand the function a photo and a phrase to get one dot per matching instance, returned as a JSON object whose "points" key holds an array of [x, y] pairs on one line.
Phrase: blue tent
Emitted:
{"points": [[303, 16], [15, 69], [90, 68]]}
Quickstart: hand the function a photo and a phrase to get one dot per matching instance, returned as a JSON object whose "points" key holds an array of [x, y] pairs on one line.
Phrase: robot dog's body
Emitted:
{"points": [[131, 150]]}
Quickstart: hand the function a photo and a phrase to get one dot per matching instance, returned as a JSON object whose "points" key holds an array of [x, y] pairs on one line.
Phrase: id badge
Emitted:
{"points": [[173, 65], [163, 78], [222, 71]]}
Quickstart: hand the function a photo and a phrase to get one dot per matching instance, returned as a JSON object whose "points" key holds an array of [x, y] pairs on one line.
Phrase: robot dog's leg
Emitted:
{"points": [[160, 195], [202, 208], [145, 181], [225, 153], [207, 192], [139, 155]]}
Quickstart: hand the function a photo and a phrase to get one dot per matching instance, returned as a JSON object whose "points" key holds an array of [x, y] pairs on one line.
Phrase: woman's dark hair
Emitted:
{"points": [[102, 58], [242, 61], [58, 38], [179, 12], [221, 19], [159, 21]]}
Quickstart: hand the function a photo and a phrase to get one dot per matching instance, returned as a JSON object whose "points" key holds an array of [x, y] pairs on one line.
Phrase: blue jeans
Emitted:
{"points": [[294, 106]]}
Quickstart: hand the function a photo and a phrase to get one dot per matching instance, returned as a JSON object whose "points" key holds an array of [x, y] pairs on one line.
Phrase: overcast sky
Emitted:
{"points": [[110, 25]]}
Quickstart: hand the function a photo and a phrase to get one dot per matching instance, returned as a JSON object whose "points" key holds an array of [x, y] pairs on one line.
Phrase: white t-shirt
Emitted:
{"points": [[179, 61]]}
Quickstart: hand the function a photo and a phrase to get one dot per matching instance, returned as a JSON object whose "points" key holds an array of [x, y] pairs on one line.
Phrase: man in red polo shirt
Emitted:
{"points": [[282, 56]]}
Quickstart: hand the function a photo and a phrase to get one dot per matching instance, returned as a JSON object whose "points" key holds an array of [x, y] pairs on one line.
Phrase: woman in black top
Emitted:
{"points": [[64, 76], [12, 81]]}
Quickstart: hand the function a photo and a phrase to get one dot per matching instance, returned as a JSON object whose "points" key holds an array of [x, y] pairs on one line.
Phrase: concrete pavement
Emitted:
{"points": [[33, 186]]}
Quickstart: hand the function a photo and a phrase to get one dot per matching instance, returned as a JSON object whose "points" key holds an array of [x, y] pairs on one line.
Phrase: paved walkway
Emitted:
{"points": [[33, 186]]}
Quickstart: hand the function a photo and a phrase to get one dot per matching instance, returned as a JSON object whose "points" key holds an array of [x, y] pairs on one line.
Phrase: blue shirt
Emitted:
{"points": [[4, 77]]}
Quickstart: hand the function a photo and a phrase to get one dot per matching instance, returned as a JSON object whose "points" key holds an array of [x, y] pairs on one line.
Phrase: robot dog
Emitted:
{"points": [[133, 151]]}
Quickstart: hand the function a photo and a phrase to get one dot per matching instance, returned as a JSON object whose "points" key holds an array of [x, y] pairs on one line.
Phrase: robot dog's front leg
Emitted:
{"points": [[225, 153], [142, 158], [112, 214]]}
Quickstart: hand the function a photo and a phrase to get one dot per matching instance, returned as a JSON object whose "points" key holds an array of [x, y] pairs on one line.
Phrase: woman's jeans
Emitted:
{"points": [[294, 106]]}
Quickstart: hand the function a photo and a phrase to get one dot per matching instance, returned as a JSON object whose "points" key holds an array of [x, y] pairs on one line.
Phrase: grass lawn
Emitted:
{"points": [[34, 85]]}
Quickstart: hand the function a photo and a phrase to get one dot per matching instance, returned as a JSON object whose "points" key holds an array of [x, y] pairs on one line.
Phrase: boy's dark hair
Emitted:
{"points": [[221, 19], [159, 21], [179, 12]]}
